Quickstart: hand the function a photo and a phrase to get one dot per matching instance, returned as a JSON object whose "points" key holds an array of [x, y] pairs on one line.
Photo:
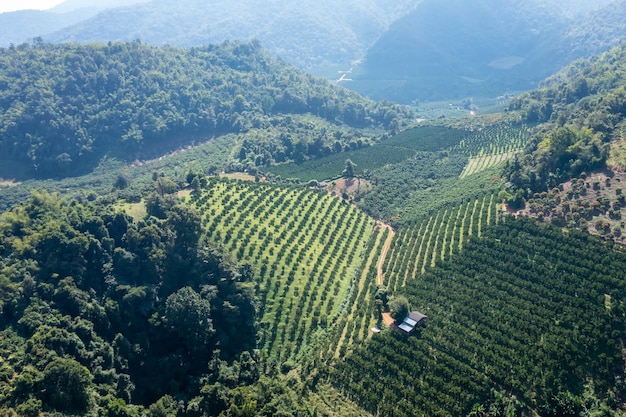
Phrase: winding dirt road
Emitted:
{"points": [[383, 254]]}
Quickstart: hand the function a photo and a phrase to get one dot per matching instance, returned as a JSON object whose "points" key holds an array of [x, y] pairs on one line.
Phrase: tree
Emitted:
{"points": [[399, 307], [66, 386], [188, 315], [349, 171]]}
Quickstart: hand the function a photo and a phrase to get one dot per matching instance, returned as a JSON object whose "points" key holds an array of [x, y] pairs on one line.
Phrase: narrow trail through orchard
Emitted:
{"points": [[383, 254]]}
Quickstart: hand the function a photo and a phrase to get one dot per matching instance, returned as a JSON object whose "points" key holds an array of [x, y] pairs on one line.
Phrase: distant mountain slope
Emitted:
{"points": [[24, 25], [485, 47], [305, 33], [71, 5], [63, 107], [597, 31]]}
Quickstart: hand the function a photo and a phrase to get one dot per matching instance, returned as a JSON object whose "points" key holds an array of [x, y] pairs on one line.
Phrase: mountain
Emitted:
{"points": [[596, 31], [581, 111], [24, 25], [458, 49], [72, 5], [309, 34], [66, 106]]}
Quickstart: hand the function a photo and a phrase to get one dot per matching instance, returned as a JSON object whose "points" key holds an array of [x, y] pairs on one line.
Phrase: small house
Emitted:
{"points": [[412, 321]]}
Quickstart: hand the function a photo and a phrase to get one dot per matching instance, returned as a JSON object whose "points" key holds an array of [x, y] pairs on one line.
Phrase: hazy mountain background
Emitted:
{"points": [[485, 47], [310, 34], [404, 50], [71, 5], [24, 25]]}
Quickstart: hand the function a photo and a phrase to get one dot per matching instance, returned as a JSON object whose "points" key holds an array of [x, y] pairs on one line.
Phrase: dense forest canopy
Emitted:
{"points": [[66, 106], [581, 112], [131, 311]]}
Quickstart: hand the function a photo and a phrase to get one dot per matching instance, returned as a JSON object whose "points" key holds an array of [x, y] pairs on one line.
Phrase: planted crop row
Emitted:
{"points": [[303, 245], [524, 308], [476, 164], [435, 239], [355, 325], [492, 146], [390, 151], [495, 139]]}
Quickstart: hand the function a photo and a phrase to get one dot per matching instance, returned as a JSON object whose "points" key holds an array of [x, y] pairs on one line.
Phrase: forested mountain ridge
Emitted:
{"points": [[24, 25], [66, 106], [596, 31], [308, 34]]}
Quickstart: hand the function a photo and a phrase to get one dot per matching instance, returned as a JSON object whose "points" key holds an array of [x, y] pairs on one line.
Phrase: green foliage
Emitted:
{"points": [[189, 317], [563, 154], [399, 307], [582, 111], [348, 172], [364, 305], [113, 312], [66, 384], [122, 99], [425, 244], [393, 150], [417, 171]]}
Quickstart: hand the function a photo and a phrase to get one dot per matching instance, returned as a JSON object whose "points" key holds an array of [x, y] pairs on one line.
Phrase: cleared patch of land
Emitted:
{"points": [[135, 210], [8, 183]]}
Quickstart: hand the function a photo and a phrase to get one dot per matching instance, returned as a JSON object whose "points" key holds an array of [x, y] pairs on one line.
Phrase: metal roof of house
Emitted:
{"points": [[406, 327], [410, 321]]}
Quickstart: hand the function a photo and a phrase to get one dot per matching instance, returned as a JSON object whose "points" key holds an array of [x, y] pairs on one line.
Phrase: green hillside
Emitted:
{"points": [[98, 311], [194, 264], [581, 110], [64, 107]]}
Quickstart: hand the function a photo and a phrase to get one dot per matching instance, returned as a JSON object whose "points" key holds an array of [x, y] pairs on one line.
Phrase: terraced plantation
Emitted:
{"points": [[305, 247], [436, 239], [520, 287], [492, 146], [390, 151]]}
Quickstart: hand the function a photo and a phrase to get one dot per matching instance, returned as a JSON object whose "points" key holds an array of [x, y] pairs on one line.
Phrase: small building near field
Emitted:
{"points": [[412, 321]]}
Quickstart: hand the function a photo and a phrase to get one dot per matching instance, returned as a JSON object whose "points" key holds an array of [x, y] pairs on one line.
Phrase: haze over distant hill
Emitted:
{"points": [[483, 47], [410, 49], [24, 25], [307, 33], [71, 5]]}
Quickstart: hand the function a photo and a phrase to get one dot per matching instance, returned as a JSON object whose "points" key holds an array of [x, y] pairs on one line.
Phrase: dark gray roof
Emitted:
{"points": [[417, 316]]}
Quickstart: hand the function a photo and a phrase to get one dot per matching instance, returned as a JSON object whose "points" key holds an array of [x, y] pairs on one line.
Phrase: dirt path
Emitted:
{"points": [[383, 254]]}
